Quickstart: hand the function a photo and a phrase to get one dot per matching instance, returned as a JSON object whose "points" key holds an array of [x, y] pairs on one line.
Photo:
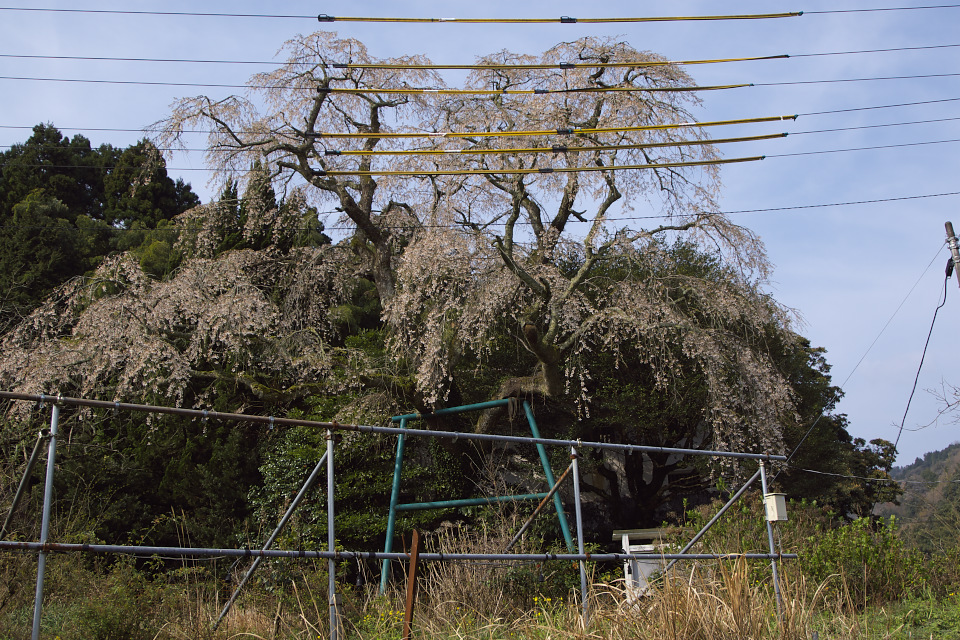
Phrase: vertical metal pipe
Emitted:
{"points": [[22, 487], [273, 536], [773, 561], [45, 521], [713, 520], [583, 565], [548, 473], [332, 544], [394, 499]]}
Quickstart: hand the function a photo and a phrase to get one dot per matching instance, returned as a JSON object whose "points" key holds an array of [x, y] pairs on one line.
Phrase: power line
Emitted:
{"points": [[806, 114], [613, 219], [546, 132], [883, 146], [869, 479], [922, 358], [888, 50], [882, 330], [385, 90], [358, 152], [882, 106], [326, 18], [542, 150], [438, 172], [559, 65], [473, 150], [800, 82], [488, 66], [876, 126], [843, 204], [209, 85], [938, 6]]}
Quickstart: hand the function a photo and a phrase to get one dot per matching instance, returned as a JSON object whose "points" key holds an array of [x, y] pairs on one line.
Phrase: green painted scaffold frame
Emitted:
{"points": [[395, 507]]}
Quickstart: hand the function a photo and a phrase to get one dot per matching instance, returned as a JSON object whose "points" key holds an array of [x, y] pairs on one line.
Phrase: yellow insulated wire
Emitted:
{"points": [[561, 20], [525, 92], [544, 170], [547, 132], [558, 65], [553, 149]]}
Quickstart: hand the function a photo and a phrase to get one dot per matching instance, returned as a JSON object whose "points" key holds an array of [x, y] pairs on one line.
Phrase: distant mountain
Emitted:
{"points": [[929, 510]]}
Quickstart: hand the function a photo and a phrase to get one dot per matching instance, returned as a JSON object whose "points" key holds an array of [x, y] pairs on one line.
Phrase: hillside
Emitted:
{"points": [[929, 508]]}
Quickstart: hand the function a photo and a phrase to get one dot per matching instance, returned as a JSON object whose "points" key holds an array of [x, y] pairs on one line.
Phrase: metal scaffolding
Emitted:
{"points": [[332, 555]]}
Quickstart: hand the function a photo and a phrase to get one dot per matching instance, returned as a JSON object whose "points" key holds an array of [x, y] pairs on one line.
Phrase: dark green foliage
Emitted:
{"points": [[64, 206], [40, 250]]}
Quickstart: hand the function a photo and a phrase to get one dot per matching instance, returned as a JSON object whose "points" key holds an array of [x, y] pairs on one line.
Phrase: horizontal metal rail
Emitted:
{"points": [[13, 545], [468, 502], [336, 426]]}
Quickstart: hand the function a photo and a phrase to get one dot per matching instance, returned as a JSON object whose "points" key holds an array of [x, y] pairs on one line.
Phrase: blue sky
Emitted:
{"points": [[865, 278]]}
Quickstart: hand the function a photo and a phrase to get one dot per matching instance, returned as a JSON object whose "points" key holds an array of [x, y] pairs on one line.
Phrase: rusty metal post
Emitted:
{"points": [[411, 586], [536, 512]]}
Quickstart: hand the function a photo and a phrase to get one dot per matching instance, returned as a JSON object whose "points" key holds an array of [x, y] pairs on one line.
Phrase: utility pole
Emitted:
{"points": [[954, 249]]}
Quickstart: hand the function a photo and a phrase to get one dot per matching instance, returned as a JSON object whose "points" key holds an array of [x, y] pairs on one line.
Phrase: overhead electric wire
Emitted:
{"points": [[873, 148], [553, 149], [540, 170], [876, 126], [888, 50], [882, 106], [326, 18], [532, 150], [922, 358], [936, 6], [213, 85], [840, 204], [398, 66], [547, 132], [398, 91], [10, 225], [522, 92], [794, 133], [799, 82], [562, 19], [481, 151], [485, 66], [869, 348], [869, 479]]}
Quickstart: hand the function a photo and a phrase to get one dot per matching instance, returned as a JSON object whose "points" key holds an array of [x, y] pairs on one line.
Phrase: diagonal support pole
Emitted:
{"points": [[548, 472], [733, 499], [22, 487], [273, 536], [543, 503]]}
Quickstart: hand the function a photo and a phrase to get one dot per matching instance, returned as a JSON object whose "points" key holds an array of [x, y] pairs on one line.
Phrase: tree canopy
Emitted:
{"points": [[562, 245], [65, 205]]}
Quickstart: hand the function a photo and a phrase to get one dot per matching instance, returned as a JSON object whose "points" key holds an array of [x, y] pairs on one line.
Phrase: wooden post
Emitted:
{"points": [[411, 586]]}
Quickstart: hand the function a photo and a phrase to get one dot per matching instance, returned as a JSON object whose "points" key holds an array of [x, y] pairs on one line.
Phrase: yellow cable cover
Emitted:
{"points": [[564, 19], [547, 132], [612, 147], [526, 92], [466, 172], [559, 65]]}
